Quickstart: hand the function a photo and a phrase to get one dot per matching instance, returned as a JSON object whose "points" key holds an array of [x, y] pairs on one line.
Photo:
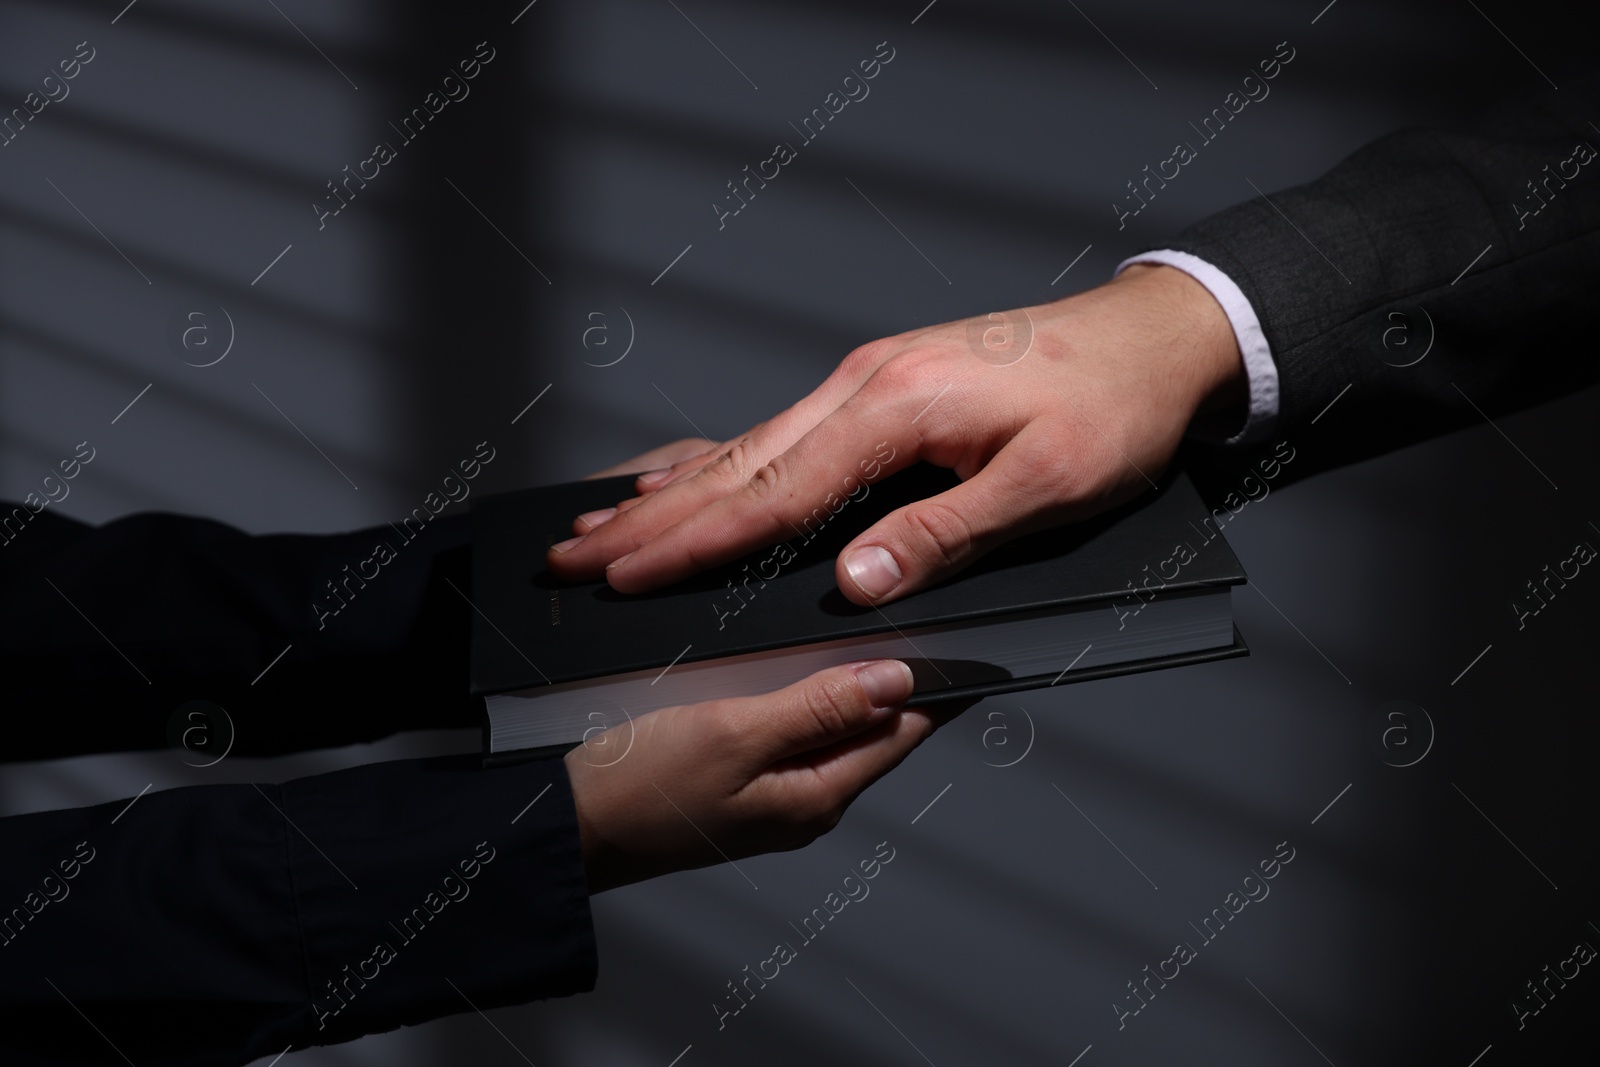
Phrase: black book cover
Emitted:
{"points": [[530, 630]]}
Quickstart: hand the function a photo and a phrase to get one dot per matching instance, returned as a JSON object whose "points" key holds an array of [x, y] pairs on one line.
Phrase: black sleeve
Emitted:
{"points": [[221, 924], [303, 640], [1355, 274]]}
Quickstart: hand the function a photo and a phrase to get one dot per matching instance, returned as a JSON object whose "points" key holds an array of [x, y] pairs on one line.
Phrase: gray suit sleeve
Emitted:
{"points": [[1480, 248]]}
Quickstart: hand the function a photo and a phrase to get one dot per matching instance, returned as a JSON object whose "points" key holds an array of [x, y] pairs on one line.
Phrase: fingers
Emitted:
{"points": [[824, 709], [806, 797], [810, 793], [704, 478], [789, 497], [926, 542], [656, 463], [586, 522], [657, 458], [651, 480], [601, 541], [844, 770]]}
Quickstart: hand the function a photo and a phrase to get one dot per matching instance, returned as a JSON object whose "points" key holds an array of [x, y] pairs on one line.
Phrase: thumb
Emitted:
{"points": [[921, 544], [825, 708]]}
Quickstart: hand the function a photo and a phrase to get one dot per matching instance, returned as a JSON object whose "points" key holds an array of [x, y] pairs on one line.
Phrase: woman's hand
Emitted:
{"points": [[705, 783], [1048, 414]]}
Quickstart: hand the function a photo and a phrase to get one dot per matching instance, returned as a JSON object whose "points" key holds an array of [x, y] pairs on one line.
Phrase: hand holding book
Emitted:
{"points": [[716, 781], [1048, 414]]}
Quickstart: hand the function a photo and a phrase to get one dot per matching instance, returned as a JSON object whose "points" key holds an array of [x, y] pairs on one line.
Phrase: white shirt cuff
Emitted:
{"points": [[1258, 365]]}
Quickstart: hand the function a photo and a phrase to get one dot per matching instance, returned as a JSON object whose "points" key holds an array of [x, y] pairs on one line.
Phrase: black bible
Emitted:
{"points": [[1146, 586]]}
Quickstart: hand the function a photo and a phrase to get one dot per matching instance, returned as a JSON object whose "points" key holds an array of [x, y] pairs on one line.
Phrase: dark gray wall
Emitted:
{"points": [[454, 290]]}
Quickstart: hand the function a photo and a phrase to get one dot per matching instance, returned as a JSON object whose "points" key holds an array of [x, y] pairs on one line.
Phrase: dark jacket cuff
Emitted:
{"points": [[472, 892]]}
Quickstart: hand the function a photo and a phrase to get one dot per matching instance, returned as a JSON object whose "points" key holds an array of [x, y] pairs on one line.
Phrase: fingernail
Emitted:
{"points": [[887, 682], [562, 546], [619, 561], [595, 518], [652, 477], [873, 570]]}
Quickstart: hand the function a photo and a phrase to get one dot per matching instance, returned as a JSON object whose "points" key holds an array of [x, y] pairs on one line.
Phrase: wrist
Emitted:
{"points": [[589, 838], [1208, 361]]}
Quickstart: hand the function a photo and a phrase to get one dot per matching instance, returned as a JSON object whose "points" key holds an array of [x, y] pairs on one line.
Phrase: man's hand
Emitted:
{"points": [[1083, 417], [703, 783], [665, 456]]}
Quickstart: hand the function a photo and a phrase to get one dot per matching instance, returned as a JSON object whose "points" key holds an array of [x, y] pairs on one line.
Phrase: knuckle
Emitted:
{"points": [[766, 482], [901, 374], [742, 454], [1070, 481], [939, 533], [1054, 452], [1050, 469], [832, 705], [1080, 471], [864, 358], [730, 466]]}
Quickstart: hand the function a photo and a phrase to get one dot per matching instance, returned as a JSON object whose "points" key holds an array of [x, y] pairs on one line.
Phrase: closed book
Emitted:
{"points": [[1146, 586]]}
